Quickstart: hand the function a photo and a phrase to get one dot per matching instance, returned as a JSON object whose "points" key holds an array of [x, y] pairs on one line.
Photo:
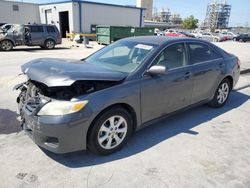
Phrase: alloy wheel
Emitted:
{"points": [[6, 45], [112, 132], [223, 92], [50, 44]]}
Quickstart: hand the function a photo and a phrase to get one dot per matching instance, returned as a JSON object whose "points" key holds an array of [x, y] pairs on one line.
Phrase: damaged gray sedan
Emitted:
{"points": [[98, 102]]}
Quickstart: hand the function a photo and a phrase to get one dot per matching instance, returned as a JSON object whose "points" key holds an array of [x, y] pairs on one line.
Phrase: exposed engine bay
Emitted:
{"points": [[34, 89]]}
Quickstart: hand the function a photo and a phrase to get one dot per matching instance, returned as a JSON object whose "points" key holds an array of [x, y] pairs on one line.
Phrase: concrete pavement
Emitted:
{"points": [[202, 147]]}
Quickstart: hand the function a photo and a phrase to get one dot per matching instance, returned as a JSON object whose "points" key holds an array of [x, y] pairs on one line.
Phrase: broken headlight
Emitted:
{"points": [[57, 108]]}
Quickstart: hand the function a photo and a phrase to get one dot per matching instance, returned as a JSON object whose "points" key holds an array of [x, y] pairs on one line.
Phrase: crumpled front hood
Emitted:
{"points": [[63, 72]]}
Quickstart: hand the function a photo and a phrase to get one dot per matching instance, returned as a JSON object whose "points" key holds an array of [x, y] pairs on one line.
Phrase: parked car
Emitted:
{"points": [[98, 102], [196, 34], [243, 38], [45, 36], [211, 37], [221, 37], [173, 33], [232, 35], [158, 32], [187, 34], [229, 35]]}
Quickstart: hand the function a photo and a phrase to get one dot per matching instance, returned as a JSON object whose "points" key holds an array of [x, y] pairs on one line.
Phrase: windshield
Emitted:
{"points": [[124, 56]]}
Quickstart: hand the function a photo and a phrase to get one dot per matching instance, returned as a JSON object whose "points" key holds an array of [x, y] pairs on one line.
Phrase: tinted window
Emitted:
{"points": [[36, 29], [200, 52], [172, 57], [51, 29]]}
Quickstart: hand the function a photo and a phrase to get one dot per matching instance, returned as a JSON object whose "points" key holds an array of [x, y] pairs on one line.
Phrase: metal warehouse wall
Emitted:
{"points": [[55, 10], [106, 15], [23, 13]]}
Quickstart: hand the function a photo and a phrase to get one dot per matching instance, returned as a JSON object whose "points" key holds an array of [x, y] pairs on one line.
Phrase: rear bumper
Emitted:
{"points": [[58, 134]]}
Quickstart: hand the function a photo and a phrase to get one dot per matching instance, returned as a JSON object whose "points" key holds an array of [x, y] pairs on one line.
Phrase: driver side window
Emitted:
{"points": [[172, 57]]}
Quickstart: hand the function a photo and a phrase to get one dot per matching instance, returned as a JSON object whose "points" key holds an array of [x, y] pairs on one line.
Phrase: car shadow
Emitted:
{"points": [[34, 49], [154, 134], [8, 122]]}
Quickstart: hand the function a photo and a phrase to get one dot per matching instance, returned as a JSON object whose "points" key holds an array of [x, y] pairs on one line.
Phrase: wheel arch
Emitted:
{"points": [[49, 38], [231, 80], [7, 39], [125, 106]]}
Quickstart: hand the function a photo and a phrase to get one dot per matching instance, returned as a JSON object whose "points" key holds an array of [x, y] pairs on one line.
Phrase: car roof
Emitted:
{"points": [[160, 40]]}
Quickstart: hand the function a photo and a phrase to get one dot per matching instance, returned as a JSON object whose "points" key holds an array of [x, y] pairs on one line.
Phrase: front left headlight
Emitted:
{"points": [[57, 108]]}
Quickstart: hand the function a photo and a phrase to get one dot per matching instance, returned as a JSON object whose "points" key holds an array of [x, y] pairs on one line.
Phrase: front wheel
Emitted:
{"points": [[6, 45], [110, 131], [221, 95]]}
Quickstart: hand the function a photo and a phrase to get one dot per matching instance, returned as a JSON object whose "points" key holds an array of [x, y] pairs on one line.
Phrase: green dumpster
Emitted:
{"points": [[144, 31], [107, 35]]}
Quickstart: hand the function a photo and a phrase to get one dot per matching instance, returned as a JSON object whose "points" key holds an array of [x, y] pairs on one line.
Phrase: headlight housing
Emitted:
{"points": [[57, 108]]}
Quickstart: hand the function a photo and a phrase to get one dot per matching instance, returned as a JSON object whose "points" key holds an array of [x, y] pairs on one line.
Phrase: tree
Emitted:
{"points": [[190, 22]]}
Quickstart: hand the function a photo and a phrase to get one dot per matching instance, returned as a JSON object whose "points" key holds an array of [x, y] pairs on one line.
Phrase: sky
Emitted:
{"points": [[240, 13]]}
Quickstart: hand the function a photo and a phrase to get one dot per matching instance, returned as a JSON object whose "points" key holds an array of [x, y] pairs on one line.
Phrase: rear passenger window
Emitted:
{"points": [[200, 53], [51, 29], [36, 29]]}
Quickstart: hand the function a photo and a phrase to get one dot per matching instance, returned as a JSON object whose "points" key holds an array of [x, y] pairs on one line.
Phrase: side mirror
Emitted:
{"points": [[157, 70]]}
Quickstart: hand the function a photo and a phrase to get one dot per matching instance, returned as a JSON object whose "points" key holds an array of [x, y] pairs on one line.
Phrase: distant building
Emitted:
{"points": [[148, 5], [217, 15], [19, 12], [72, 15], [176, 19]]}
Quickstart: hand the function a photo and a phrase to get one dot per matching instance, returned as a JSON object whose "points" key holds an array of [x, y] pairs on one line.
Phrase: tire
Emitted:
{"points": [[49, 44], [221, 95], [6, 45], [103, 138]]}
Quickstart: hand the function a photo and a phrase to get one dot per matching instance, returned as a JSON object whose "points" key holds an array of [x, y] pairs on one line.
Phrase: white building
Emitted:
{"points": [[74, 15], [19, 12]]}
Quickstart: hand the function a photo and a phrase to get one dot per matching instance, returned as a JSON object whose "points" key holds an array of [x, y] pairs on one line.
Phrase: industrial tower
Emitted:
{"points": [[148, 5], [217, 16]]}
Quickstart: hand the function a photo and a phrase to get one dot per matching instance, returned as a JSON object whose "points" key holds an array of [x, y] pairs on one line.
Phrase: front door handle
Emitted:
{"points": [[188, 75]]}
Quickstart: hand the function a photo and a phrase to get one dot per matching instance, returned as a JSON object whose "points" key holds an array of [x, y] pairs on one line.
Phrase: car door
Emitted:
{"points": [[18, 34], [207, 68], [36, 35], [162, 94]]}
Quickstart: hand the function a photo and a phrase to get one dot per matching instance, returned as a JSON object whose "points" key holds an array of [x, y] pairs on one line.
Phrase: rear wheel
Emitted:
{"points": [[221, 95], [49, 44], [6, 45], [110, 131]]}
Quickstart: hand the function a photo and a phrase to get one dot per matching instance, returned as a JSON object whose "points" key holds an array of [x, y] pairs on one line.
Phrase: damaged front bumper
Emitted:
{"points": [[59, 134]]}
